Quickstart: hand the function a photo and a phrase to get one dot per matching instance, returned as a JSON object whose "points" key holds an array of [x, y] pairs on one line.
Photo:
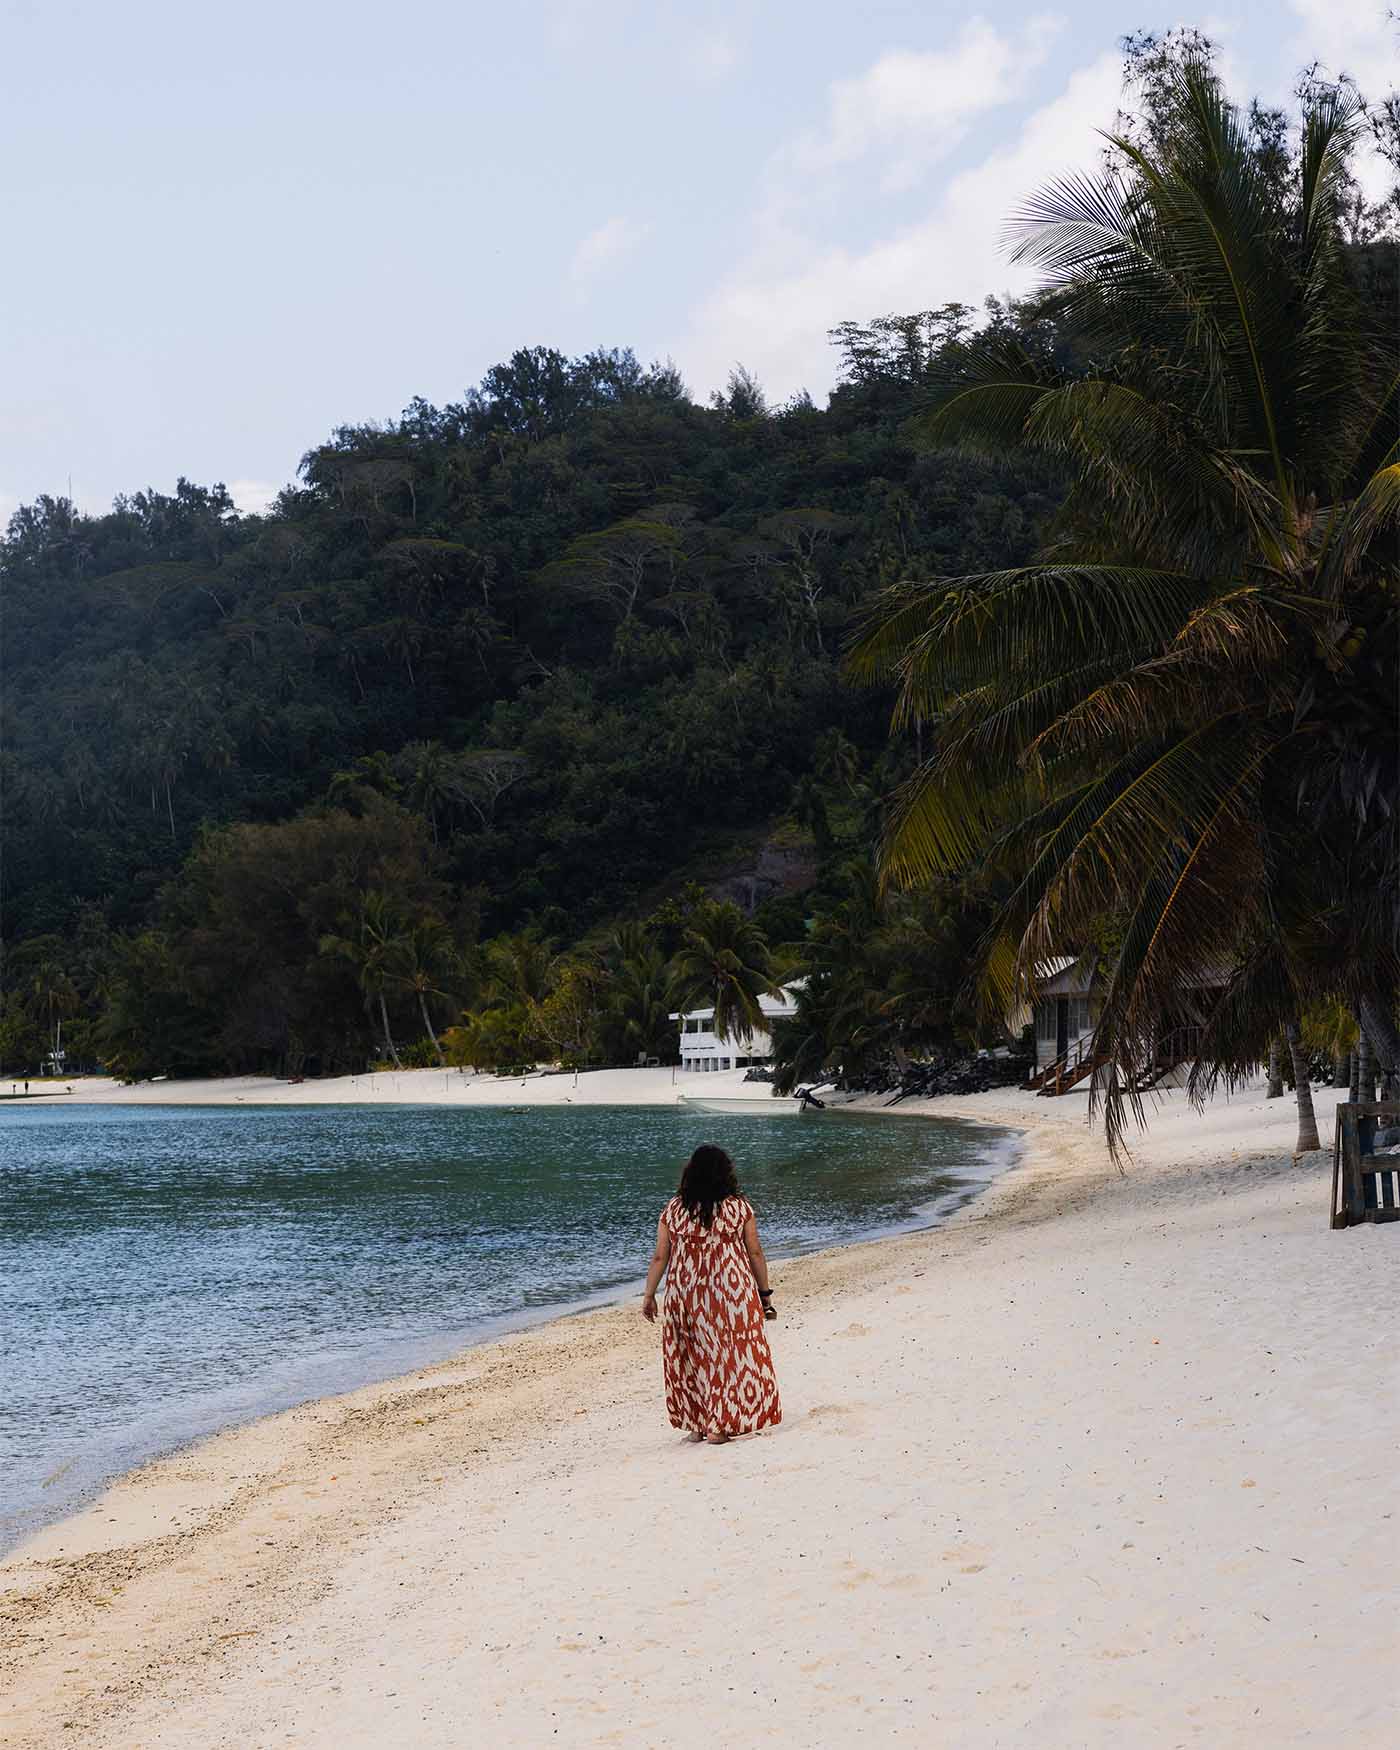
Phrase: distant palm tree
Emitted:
{"points": [[370, 772], [1180, 722], [51, 991], [724, 960], [807, 1043], [373, 945], [424, 960], [809, 810], [522, 969], [837, 761], [640, 997], [431, 778], [630, 941]]}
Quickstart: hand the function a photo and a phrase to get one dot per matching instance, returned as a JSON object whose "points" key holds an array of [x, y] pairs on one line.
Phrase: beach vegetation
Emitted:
{"points": [[724, 963], [886, 980], [576, 626], [1180, 716]]}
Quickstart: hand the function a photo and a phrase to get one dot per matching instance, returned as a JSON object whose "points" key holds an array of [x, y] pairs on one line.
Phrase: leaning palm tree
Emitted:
{"points": [[1180, 720], [424, 960], [724, 960]]}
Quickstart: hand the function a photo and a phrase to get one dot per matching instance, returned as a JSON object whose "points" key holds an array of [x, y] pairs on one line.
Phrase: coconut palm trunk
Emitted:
{"points": [[1308, 1138], [388, 1036], [1275, 1089], [1366, 1079], [427, 1022], [1379, 1030]]}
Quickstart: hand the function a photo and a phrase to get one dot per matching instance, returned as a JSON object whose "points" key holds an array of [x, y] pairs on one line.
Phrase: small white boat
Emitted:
{"points": [[742, 1105]]}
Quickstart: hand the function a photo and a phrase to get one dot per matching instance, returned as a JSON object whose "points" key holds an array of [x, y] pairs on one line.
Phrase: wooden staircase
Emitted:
{"points": [[1081, 1060], [1174, 1049], [1066, 1072]]}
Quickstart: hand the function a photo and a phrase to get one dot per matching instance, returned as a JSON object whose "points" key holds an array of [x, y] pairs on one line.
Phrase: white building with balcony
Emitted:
{"points": [[703, 1050]]}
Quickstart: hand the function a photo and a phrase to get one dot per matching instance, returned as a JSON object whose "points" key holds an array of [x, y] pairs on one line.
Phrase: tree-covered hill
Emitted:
{"points": [[527, 662], [575, 622]]}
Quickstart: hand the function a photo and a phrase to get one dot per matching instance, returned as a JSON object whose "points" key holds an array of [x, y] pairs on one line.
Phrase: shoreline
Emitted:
{"points": [[458, 1089], [488, 1540], [398, 1363], [143, 1507]]}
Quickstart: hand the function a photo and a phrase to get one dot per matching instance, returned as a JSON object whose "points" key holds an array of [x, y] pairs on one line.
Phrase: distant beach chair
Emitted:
{"points": [[1365, 1175]]}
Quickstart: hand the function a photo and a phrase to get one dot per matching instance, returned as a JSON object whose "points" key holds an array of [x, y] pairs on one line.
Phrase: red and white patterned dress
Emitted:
{"points": [[719, 1371]]}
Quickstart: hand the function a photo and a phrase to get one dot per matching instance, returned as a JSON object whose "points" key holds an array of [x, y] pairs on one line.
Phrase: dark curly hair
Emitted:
{"points": [[706, 1180]]}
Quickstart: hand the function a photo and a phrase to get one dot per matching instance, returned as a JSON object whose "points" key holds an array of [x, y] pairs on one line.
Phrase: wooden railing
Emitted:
{"points": [[1181, 1045], [1068, 1069]]}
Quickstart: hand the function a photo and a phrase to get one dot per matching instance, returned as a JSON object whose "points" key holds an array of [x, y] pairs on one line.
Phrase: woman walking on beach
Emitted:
{"points": [[719, 1372]]}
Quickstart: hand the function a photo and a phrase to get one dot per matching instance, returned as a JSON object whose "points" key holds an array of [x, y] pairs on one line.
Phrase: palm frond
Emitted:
{"points": [[1375, 508], [944, 637]]}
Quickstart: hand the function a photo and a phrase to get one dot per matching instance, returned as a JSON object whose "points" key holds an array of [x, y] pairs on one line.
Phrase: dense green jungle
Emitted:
{"points": [[288, 790]]}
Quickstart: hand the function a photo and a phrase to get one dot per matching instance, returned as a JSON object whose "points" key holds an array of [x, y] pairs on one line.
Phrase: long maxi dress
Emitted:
{"points": [[718, 1367]]}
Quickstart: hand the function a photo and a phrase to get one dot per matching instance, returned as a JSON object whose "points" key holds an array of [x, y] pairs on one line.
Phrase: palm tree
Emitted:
{"points": [[371, 772], [1180, 721], [837, 761], [641, 999], [424, 960], [724, 960], [1274, 1088], [809, 810], [807, 1043], [373, 946], [1307, 1119], [522, 970], [431, 781]]}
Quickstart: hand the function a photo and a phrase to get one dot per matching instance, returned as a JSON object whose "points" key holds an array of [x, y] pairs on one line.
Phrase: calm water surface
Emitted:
{"points": [[167, 1271]]}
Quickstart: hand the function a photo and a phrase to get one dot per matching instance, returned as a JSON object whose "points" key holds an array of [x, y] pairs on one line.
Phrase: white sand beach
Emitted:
{"points": [[410, 1087], [1106, 1460]]}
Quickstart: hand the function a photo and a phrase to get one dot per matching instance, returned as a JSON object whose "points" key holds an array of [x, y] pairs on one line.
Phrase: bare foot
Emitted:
{"points": [[716, 1440], [695, 1438]]}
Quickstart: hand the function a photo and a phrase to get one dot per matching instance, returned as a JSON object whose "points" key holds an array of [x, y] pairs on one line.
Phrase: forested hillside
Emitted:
{"points": [[549, 641]]}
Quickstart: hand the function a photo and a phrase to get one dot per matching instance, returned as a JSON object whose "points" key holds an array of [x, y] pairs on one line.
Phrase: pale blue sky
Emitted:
{"points": [[230, 229]]}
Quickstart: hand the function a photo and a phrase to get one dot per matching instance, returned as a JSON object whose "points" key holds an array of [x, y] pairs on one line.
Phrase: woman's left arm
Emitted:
{"points": [[757, 1262], [659, 1260]]}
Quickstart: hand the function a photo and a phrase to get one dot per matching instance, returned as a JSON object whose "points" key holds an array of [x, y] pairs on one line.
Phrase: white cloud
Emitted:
{"points": [[252, 497], [1347, 36], [614, 239], [775, 309], [914, 107]]}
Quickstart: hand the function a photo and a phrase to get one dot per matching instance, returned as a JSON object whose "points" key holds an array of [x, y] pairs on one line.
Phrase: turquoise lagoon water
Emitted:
{"points": [[167, 1271]]}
